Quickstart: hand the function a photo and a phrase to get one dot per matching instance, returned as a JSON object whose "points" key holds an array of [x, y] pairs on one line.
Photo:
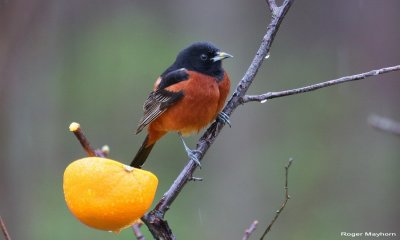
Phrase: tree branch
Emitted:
{"points": [[385, 124], [76, 129], [272, 6], [136, 230], [250, 230], [4, 229], [287, 197], [155, 219], [270, 95]]}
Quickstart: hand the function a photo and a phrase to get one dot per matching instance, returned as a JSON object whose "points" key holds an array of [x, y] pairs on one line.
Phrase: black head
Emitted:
{"points": [[202, 57]]}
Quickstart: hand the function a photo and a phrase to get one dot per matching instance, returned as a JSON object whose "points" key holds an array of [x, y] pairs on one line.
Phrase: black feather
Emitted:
{"points": [[173, 77], [157, 103], [142, 154]]}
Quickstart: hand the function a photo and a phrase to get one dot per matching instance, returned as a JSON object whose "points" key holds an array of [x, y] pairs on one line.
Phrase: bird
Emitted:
{"points": [[186, 97]]}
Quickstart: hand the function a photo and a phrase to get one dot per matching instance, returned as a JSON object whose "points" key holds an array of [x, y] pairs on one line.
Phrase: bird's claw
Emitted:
{"points": [[224, 118], [192, 154]]}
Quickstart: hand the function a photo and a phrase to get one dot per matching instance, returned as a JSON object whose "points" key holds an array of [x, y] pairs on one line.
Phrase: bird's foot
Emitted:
{"points": [[192, 154], [224, 118]]}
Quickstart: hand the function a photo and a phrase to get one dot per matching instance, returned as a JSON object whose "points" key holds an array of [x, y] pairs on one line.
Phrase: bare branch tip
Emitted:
{"points": [[74, 127], [4, 229], [289, 163], [250, 230], [287, 197], [272, 6], [136, 229], [105, 149]]}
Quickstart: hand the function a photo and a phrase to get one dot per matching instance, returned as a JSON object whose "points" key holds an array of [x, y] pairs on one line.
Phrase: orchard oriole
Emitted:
{"points": [[186, 97]]}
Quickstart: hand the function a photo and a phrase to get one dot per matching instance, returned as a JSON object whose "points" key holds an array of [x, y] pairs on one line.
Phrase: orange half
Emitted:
{"points": [[106, 194]]}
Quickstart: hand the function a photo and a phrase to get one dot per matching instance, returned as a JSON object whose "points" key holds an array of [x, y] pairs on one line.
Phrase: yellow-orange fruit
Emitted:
{"points": [[106, 194]]}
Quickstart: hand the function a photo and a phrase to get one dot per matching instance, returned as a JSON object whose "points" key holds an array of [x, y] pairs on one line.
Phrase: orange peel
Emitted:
{"points": [[106, 194]]}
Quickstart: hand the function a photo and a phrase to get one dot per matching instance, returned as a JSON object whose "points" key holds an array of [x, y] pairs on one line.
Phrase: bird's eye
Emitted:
{"points": [[203, 57]]}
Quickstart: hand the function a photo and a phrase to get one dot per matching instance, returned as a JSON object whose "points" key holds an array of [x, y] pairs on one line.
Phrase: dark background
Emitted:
{"points": [[94, 62]]}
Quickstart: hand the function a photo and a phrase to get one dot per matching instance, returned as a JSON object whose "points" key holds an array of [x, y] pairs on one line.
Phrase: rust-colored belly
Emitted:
{"points": [[195, 110]]}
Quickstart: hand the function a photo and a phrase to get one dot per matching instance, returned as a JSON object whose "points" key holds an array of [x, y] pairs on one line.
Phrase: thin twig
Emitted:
{"points": [[4, 229], [385, 124], [270, 95], [155, 219], [76, 129], [287, 197], [136, 230], [272, 5], [250, 230]]}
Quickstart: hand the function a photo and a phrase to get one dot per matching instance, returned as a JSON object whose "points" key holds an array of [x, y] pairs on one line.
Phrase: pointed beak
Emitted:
{"points": [[220, 56]]}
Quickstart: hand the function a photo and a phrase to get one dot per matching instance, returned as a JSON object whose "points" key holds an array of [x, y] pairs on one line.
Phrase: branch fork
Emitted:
{"points": [[262, 98]]}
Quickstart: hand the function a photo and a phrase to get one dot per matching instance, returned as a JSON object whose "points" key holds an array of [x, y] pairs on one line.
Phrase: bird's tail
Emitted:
{"points": [[142, 154]]}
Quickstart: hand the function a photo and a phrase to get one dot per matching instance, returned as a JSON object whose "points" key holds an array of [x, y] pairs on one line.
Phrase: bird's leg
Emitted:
{"points": [[224, 118], [192, 154]]}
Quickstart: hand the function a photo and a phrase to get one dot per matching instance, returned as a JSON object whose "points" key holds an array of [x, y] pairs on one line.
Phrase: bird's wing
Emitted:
{"points": [[173, 77], [160, 99]]}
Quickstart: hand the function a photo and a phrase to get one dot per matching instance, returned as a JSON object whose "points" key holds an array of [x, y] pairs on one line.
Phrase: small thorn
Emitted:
{"points": [[195, 179]]}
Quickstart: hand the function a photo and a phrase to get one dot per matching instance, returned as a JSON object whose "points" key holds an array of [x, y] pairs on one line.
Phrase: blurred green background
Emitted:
{"points": [[94, 62]]}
